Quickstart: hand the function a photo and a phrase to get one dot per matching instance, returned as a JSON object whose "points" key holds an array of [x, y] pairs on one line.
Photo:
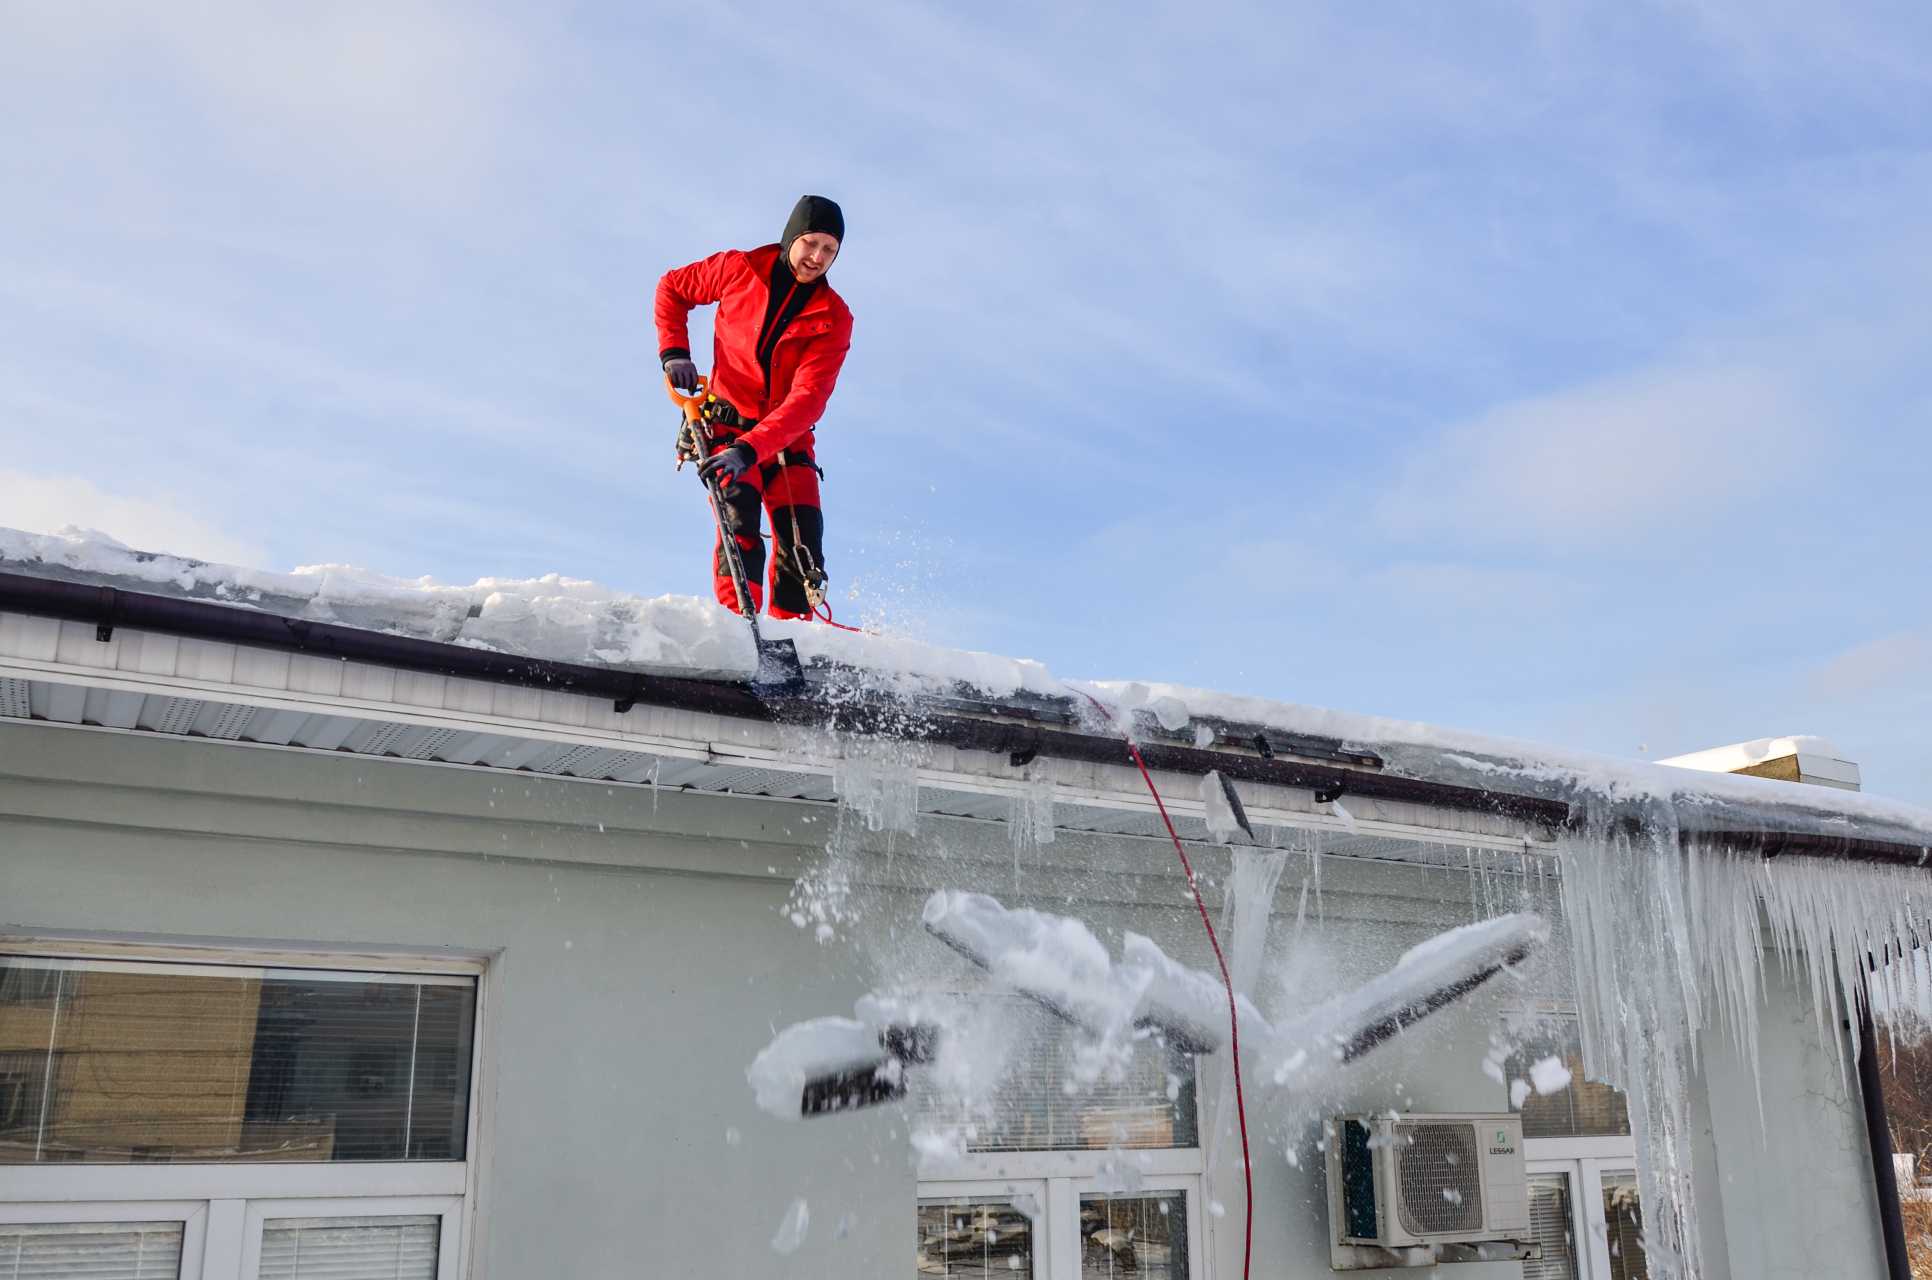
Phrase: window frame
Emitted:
{"points": [[995, 1189], [1590, 1230]]}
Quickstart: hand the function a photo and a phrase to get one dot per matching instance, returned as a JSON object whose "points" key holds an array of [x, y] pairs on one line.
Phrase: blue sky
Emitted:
{"points": [[1556, 371]]}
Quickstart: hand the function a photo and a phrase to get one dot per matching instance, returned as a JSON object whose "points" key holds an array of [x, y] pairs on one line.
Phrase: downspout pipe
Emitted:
{"points": [[1878, 1132]]}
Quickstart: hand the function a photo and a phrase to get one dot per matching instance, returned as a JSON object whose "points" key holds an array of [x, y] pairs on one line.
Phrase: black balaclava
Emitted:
{"points": [[788, 297], [811, 213]]}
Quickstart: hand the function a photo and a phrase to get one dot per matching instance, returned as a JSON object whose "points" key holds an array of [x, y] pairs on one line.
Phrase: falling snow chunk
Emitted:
{"points": [[1170, 712], [1549, 1075], [1217, 1209], [807, 1050], [1222, 822], [792, 1227], [1518, 1090]]}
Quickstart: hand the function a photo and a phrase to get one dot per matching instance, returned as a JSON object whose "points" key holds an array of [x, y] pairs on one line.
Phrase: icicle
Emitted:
{"points": [[1668, 940]]}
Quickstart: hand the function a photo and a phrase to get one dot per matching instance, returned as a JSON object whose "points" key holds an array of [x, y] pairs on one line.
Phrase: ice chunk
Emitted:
{"points": [[1170, 712], [792, 1227], [1427, 977], [1222, 809]]}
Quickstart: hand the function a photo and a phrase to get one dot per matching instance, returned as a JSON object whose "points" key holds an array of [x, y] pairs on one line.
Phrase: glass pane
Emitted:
{"points": [[975, 1238], [1140, 1236], [1584, 1109], [98, 1250], [1550, 1226], [1623, 1219], [394, 1248], [1043, 1106], [117, 1064]]}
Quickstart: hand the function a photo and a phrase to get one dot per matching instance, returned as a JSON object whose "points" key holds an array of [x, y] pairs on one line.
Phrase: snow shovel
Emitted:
{"points": [[778, 666]]}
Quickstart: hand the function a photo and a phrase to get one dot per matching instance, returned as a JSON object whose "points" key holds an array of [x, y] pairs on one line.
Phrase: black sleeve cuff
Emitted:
{"points": [[672, 353]]}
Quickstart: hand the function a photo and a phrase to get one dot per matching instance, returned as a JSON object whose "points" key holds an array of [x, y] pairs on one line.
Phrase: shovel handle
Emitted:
{"points": [[693, 405]]}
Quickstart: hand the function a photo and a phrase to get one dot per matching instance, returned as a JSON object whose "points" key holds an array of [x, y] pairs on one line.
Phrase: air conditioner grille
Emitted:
{"points": [[1441, 1176]]}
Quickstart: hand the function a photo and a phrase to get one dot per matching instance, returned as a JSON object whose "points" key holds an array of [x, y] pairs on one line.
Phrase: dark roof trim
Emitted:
{"points": [[1003, 729]]}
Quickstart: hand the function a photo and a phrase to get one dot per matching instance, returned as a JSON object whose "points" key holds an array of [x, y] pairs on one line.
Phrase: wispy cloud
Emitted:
{"points": [[1888, 664], [1639, 459], [410, 97], [41, 503]]}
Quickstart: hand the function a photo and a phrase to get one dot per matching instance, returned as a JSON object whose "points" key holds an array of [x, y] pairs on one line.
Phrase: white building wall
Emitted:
{"points": [[1789, 1193], [638, 961]]}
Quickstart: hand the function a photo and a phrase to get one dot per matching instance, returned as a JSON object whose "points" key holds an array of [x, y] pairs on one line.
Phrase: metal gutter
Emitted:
{"points": [[1020, 732]]}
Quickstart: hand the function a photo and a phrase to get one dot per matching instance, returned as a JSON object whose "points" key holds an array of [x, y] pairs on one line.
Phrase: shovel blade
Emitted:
{"points": [[778, 666]]}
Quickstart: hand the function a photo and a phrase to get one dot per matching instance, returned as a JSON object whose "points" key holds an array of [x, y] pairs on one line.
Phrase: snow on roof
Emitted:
{"points": [[572, 620]]}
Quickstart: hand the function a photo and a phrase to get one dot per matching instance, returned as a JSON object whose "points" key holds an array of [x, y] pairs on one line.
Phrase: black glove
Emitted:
{"points": [[683, 373], [727, 465]]}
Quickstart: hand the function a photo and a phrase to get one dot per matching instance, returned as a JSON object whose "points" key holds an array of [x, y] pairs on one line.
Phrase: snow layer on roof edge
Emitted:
{"points": [[575, 620], [1414, 749]]}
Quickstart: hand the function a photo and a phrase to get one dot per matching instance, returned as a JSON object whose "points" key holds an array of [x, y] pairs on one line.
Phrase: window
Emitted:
{"points": [[97, 1250], [1623, 1221], [1042, 1190], [1586, 1214], [107, 1062], [1552, 1226], [1141, 1236], [975, 1238], [1584, 1108], [201, 1121], [1151, 1106]]}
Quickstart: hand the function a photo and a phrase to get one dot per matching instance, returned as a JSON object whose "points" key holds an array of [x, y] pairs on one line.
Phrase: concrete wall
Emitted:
{"points": [[639, 959]]}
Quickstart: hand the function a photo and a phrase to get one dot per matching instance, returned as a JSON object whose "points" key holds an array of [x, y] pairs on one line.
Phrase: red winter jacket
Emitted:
{"points": [[804, 364]]}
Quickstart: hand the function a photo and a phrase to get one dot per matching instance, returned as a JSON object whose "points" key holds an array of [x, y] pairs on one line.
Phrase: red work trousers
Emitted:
{"points": [[789, 491]]}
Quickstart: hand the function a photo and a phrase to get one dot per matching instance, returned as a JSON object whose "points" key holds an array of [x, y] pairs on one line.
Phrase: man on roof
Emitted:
{"points": [[781, 333]]}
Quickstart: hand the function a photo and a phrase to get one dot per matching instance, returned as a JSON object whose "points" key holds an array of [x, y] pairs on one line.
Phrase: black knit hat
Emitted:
{"points": [[812, 213]]}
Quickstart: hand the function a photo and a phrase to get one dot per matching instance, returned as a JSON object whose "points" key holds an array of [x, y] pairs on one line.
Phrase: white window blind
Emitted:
{"points": [[1040, 1104], [377, 1248], [94, 1250], [1549, 1202]]}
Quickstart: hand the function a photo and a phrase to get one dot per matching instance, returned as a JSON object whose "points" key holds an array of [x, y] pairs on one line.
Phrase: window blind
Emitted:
{"points": [[1550, 1226], [1040, 1105], [373, 1248], [93, 1250]]}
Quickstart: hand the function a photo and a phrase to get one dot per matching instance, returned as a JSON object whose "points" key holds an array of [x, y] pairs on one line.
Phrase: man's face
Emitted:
{"points": [[812, 255]]}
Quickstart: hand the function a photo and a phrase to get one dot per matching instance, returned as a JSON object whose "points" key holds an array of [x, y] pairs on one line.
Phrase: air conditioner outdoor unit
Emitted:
{"points": [[1415, 1190]]}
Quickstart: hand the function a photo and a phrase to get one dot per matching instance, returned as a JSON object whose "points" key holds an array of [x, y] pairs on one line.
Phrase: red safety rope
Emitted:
{"points": [[1234, 1021], [827, 618]]}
